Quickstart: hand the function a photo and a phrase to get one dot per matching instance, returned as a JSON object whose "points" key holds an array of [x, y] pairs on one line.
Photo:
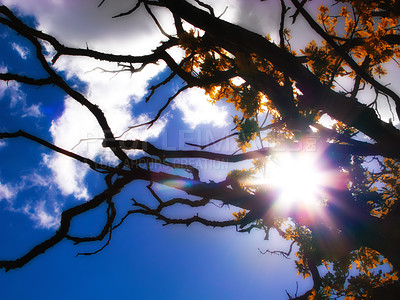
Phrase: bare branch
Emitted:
{"points": [[284, 254], [355, 148], [282, 24], [29, 34], [198, 219], [101, 3], [156, 86], [154, 193], [187, 222], [196, 203], [108, 227], [129, 11], [357, 82], [205, 5], [294, 16], [25, 79], [163, 154], [178, 25], [149, 160], [156, 21], [170, 99], [100, 249], [202, 147], [111, 213], [66, 219], [92, 164], [223, 12]]}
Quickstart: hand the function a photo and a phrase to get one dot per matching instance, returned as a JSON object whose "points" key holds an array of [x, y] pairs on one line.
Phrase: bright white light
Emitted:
{"points": [[296, 179]]}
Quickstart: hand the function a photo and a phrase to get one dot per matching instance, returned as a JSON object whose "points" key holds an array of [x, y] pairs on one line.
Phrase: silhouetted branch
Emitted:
{"points": [[294, 16], [163, 154], [153, 88], [111, 213], [108, 227], [170, 99], [205, 5], [129, 11], [202, 147], [191, 203], [92, 164], [149, 161], [66, 218], [31, 35], [355, 147], [195, 219], [284, 254], [156, 21], [101, 3], [25, 79]]}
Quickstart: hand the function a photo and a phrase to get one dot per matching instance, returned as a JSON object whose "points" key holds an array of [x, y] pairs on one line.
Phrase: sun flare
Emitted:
{"points": [[296, 178]]}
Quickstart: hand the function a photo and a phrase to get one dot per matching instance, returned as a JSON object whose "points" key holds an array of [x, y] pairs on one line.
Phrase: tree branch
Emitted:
{"points": [[29, 34], [111, 213], [170, 99], [283, 253], [66, 219], [25, 79], [92, 164]]}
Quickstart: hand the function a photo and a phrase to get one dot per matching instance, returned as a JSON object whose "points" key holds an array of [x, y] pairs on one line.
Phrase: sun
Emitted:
{"points": [[296, 179]]}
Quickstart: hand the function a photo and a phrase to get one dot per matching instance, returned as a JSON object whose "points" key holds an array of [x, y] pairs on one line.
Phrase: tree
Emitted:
{"points": [[351, 222]]}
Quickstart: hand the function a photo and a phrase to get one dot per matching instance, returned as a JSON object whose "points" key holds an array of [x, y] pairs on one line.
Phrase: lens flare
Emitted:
{"points": [[296, 180]]}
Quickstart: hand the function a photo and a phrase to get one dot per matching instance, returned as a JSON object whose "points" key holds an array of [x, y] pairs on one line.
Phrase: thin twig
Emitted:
{"points": [[170, 99], [279, 252], [92, 164], [129, 11]]}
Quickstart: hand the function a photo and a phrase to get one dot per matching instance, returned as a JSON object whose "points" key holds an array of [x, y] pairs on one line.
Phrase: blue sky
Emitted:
{"points": [[145, 260]]}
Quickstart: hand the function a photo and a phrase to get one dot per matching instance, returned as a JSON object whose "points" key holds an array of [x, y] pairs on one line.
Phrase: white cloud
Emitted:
{"points": [[18, 102], [10, 89], [255, 15], [115, 96], [23, 52], [32, 111], [6, 192], [44, 215], [3, 85], [80, 24], [17, 97], [68, 175], [198, 110], [70, 129], [35, 180]]}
